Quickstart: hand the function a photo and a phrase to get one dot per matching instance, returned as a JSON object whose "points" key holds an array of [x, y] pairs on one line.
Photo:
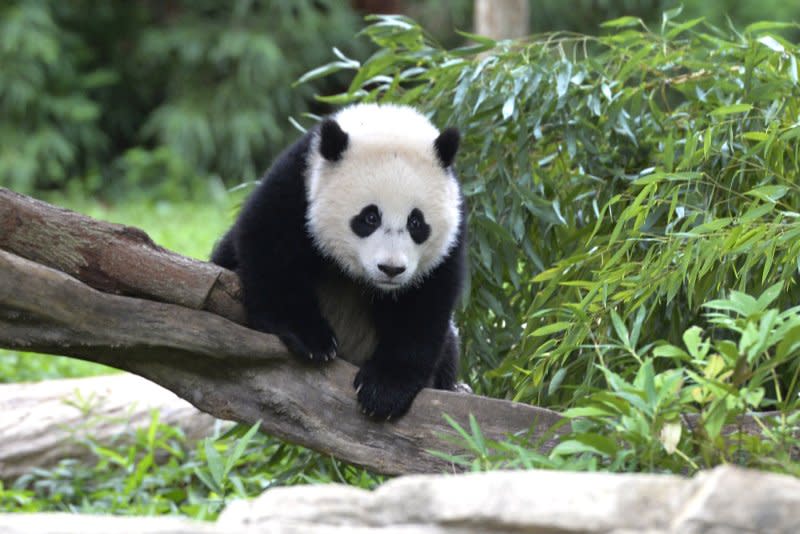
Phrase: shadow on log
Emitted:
{"points": [[74, 286]]}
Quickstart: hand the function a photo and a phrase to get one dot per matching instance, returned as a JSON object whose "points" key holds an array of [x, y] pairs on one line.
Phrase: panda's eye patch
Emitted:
{"points": [[417, 227], [367, 221]]}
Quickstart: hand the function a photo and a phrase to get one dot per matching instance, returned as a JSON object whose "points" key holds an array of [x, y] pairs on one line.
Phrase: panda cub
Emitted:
{"points": [[353, 245]]}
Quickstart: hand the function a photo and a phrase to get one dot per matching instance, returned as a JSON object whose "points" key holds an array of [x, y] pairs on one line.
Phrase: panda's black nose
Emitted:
{"points": [[391, 270]]}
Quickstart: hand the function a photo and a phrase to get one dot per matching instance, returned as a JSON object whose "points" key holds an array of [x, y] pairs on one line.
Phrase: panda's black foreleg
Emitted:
{"points": [[279, 268], [304, 332], [413, 330], [387, 383], [279, 299], [402, 365], [293, 317]]}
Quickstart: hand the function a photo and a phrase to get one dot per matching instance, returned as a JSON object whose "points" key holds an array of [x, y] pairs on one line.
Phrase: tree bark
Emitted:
{"points": [[502, 19], [43, 422], [113, 258]]}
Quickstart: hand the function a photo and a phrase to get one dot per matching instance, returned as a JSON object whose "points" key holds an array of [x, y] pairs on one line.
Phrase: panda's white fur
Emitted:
{"points": [[347, 309], [390, 162]]}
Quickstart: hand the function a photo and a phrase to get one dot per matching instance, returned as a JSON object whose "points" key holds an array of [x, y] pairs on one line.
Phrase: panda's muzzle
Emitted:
{"points": [[391, 270]]}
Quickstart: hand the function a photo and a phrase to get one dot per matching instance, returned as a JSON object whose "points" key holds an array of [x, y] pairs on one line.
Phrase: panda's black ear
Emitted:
{"points": [[446, 146], [332, 140]]}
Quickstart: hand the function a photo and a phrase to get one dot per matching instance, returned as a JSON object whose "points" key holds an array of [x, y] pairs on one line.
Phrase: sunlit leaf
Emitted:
{"points": [[669, 436], [551, 328], [734, 108], [622, 22]]}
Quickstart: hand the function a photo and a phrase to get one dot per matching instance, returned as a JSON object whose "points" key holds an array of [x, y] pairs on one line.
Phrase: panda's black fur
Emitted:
{"points": [[272, 250]]}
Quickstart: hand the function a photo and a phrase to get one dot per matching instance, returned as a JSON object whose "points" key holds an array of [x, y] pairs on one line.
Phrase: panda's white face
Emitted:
{"points": [[385, 208]]}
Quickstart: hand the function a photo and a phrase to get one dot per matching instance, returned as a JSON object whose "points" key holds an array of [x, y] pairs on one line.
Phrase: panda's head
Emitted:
{"points": [[384, 202]]}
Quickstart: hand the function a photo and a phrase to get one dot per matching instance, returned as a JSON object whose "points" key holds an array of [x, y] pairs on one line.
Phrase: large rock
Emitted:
{"points": [[725, 500], [543, 501]]}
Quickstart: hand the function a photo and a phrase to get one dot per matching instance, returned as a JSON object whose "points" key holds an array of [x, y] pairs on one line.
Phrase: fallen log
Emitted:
{"points": [[43, 422]]}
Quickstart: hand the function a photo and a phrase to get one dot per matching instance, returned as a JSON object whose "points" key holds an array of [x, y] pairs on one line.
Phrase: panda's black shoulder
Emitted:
{"points": [[288, 171], [282, 188], [278, 198]]}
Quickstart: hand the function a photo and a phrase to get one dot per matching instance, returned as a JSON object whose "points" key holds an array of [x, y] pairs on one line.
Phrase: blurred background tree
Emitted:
{"points": [[167, 97], [137, 95], [173, 97]]}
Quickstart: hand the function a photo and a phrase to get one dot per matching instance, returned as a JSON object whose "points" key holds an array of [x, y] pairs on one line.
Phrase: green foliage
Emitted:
{"points": [[641, 423], [28, 367], [586, 16], [50, 127], [615, 184], [228, 79], [158, 474], [216, 474], [144, 96]]}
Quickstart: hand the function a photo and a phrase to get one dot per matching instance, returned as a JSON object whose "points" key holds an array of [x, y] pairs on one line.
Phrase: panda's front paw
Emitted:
{"points": [[382, 394], [309, 340]]}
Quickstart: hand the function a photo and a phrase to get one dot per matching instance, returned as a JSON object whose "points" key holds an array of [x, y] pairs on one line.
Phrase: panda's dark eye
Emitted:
{"points": [[372, 219], [417, 227], [366, 222]]}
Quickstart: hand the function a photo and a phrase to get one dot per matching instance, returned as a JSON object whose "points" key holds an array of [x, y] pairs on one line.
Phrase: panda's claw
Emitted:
{"points": [[381, 395], [311, 340]]}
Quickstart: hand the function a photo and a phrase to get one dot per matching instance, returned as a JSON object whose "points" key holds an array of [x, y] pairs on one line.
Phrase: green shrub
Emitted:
{"points": [[586, 16], [227, 73], [615, 184], [158, 473]]}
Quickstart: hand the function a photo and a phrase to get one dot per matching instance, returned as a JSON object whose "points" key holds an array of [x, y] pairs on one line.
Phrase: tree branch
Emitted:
{"points": [[219, 366], [114, 258]]}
